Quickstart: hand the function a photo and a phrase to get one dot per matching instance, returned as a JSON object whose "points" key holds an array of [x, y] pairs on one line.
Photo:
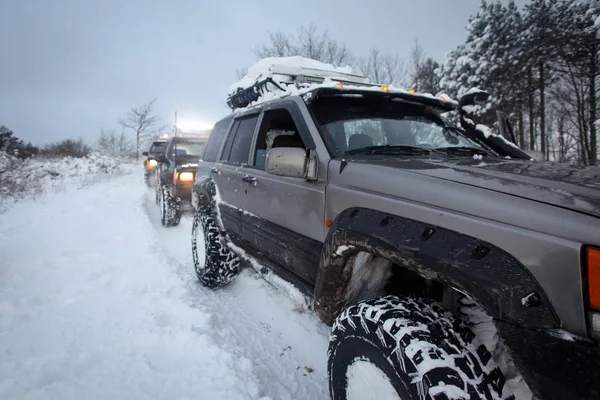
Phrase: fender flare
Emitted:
{"points": [[203, 192], [491, 276]]}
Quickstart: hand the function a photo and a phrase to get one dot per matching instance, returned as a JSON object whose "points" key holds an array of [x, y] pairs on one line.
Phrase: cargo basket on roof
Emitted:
{"points": [[282, 76]]}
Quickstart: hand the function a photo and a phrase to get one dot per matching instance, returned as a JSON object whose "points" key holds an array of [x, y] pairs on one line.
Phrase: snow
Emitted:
{"points": [[98, 300], [487, 132], [281, 284], [564, 335], [369, 276], [367, 382], [475, 90], [265, 67], [268, 67], [33, 177], [342, 249], [485, 329]]}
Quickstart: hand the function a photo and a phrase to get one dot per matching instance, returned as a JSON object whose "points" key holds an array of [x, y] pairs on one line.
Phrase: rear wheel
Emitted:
{"points": [[170, 208], [401, 348], [215, 264]]}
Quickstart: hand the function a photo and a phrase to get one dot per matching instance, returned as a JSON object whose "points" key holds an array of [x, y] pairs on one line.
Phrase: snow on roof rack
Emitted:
{"points": [[279, 73], [281, 76]]}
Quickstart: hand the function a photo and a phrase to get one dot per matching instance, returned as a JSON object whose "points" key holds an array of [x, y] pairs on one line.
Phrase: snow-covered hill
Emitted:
{"points": [[99, 301]]}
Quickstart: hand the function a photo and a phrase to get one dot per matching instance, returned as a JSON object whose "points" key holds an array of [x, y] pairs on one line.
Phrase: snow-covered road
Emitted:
{"points": [[99, 301]]}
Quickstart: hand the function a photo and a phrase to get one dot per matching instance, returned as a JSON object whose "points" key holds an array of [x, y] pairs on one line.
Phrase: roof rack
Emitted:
{"points": [[277, 74], [281, 77]]}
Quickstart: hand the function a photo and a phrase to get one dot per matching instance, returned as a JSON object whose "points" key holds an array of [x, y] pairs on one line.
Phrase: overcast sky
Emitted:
{"points": [[71, 67]]}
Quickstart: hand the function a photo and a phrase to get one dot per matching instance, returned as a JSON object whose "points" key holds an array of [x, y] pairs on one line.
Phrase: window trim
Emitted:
{"points": [[224, 134], [296, 115], [254, 114]]}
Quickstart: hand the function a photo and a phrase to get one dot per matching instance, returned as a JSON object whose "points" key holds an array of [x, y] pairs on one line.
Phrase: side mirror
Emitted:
{"points": [[145, 153], [292, 162], [474, 96]]}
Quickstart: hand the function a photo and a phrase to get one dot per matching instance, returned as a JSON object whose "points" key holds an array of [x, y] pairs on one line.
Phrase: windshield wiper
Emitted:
{"points": [[395, 149], [464, 150]]}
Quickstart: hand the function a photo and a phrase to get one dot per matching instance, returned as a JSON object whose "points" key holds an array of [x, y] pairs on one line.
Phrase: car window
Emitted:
{"points": [[227, 146], [215, 139], [157, 148], [242, 139], [351, 124], [189, 149], [277, 129]]}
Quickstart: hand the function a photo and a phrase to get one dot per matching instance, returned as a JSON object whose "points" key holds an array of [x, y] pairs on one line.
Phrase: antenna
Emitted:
{"points": [[175, 130]]}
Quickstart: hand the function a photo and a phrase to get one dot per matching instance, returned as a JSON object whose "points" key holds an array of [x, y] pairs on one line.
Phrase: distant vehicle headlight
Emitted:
{"points": [[152, 163], [186, 176]]}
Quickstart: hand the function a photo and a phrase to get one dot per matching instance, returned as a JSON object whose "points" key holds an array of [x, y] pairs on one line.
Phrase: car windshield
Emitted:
{"points": [[189, 149], [158, 148], [350, 124]]}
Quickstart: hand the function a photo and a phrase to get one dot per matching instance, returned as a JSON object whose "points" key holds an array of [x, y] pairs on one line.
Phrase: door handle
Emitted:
{"points": [[214, 170], [249, 179]]}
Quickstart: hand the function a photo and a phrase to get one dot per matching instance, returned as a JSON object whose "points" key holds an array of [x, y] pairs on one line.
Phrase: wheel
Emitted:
{"points": [[150, 179], [215, 264], [405, 349], [170, 208]]}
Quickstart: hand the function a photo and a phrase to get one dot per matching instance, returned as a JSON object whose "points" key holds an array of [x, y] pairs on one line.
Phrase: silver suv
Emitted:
{"points": [[448, 263]]}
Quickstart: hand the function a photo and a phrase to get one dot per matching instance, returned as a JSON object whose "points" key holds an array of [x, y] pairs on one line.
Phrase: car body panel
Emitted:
{"points": [[546, 239]]}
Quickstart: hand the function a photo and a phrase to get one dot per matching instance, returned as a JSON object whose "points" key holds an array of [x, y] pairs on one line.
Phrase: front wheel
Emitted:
{"points": [[405, 349], [215, 264]]}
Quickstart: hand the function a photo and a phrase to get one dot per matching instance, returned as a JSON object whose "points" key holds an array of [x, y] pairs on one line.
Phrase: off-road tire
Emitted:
{"points": [[170, 208], [157, 192], [150, 179], [221, 265], [425, 351]]}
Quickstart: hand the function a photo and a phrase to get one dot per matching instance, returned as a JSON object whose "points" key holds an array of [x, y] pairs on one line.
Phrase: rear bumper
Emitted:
{"points": [[554, 368], [183, 190]]}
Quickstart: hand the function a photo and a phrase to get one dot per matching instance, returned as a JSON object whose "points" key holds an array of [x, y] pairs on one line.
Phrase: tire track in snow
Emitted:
{"points": [[88, 311], [255, 320]]}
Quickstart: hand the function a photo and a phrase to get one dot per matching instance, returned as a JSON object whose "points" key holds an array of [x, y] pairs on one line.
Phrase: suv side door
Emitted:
{"points": [[284, 218], [228, 173]]}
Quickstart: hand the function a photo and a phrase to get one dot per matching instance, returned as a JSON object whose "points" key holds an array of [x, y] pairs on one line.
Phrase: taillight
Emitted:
{"points": [[592, 258], [593, 277]]}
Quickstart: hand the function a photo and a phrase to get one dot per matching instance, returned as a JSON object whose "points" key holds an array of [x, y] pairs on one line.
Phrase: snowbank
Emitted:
{"points": [[33, 177]]}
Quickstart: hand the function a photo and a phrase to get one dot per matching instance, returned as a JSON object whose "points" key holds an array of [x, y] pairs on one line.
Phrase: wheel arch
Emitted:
{"points": [[488, 274], [203, 192]]}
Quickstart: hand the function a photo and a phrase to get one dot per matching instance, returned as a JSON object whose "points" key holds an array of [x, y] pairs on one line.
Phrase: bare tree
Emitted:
{"points": [[143, 121], [417, 57], [383, 68], [280, 45], [241, 72], [308, 42], [111, 143]]}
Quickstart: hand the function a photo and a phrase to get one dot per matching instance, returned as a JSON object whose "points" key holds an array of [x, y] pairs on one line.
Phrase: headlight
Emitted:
{"points": [[152, 163], [186, 176]]}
